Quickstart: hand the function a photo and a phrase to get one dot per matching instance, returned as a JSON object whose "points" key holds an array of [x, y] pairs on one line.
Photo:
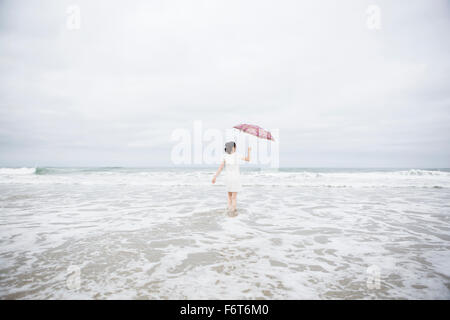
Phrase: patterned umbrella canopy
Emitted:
{"points": [[255, 130]]}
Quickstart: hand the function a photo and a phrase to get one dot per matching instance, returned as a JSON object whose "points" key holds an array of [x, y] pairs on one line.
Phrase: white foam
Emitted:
{"points": [[15, 171]]}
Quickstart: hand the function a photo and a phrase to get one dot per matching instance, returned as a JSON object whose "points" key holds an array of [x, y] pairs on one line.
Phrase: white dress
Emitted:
{"points": [[232, 174]]}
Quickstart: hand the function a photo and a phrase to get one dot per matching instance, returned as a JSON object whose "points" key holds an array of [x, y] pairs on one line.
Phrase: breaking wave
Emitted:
{"points": [[293, 177]]}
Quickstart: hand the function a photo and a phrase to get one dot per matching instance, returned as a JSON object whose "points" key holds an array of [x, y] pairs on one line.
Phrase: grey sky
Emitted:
{"points": [[112, 92]]}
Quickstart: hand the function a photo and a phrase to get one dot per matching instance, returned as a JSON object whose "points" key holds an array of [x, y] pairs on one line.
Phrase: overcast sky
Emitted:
{"points": [[112, 92]]}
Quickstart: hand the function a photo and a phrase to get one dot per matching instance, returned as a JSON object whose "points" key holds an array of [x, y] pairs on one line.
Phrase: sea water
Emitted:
{"points": [[164, 233]]}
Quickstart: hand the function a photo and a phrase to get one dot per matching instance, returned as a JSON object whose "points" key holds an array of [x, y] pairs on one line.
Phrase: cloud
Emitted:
{"points": [[116, 88]]}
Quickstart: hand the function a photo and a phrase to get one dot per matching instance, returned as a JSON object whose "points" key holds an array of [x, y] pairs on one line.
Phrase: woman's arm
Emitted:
{"points": [[247, 158], [218, 171]]}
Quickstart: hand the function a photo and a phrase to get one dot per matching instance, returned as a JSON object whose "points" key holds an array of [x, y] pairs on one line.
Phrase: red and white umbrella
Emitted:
{"points": [[255, 131]]}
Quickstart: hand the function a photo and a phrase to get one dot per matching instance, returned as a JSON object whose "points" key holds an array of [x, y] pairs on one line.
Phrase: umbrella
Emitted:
{"points": [[255, 131]]}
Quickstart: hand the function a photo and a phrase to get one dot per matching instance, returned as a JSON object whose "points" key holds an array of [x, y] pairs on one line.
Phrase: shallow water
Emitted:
{"points": [[165, 234]]}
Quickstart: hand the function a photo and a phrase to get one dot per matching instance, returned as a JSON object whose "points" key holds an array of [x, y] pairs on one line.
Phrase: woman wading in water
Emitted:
{"points": [[232, 175]]}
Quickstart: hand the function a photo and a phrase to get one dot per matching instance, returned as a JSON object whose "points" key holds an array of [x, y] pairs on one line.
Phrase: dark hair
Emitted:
{"points": [[228, 144]]}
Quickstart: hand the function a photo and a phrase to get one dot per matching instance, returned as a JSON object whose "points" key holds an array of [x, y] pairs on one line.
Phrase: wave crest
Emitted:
{"points": [[420, 172]]}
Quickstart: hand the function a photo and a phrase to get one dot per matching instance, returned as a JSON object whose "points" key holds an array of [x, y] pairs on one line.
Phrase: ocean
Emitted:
{"points": [[164, 233]]}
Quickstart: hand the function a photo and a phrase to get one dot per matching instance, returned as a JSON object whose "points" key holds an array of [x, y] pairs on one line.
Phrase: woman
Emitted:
{"points": [[232, 176]]}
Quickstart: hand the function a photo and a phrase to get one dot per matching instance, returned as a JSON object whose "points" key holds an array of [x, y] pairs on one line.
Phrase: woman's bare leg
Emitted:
{"points": [[233, 200], [229, 200]]}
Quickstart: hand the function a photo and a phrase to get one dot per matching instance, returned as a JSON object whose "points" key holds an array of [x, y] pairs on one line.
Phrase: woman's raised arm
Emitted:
{"points": [[247, 158]]}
